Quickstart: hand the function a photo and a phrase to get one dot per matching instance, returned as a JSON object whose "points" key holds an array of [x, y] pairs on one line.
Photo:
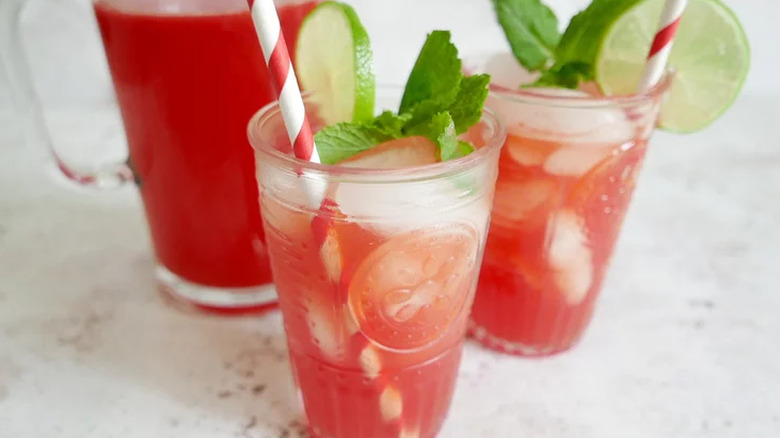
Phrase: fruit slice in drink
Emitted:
{"points": [[408, 291]]}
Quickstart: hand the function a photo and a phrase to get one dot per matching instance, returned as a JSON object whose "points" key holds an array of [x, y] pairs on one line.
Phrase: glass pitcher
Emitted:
{"points": [[187, 76]]}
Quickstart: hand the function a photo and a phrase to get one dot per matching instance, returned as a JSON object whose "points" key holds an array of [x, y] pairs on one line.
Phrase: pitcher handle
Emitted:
{"points": [[25, 98]]}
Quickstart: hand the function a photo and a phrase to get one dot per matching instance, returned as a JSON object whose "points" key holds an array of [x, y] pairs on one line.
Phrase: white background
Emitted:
{"points": [[67, 52]]}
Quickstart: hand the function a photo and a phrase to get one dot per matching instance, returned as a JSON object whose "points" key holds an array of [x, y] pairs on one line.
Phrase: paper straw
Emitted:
{"points": [[658, 55], [283, 76], [277, 57]]}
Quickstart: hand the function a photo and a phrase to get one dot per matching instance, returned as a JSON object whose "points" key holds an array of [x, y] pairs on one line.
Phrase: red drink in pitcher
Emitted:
{"points": [[188, 76]]}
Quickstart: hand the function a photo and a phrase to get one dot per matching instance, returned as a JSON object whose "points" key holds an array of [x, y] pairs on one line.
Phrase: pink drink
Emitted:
{"points": [[376, 287], [566, 175]]}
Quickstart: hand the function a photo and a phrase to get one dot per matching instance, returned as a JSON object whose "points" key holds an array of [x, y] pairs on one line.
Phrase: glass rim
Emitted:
{"points": [[262, 146], [232, 7], [529, 96]]}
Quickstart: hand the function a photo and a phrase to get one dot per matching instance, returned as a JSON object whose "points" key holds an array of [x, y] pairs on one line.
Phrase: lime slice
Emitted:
{"points": [[710, 56], [333, 59]]}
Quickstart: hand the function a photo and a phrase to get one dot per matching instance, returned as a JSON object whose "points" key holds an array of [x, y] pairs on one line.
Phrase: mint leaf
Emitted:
{"points": [[532, 31], [439, 103], [464, 148], [565, 76], [467, 109], [440, 129], [338, 142], [437, 84], [391, 124], [435, 78], [583, 37], [442, 132]]}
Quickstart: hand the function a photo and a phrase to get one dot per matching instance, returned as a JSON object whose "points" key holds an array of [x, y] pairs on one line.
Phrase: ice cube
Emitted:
{"points": [[414, 204], [576, 160], [325, 332], [370, 361], [390, 403], [516, 200], [569, 256], [388, 208], [330, 253], [528, 152], [565, 120]]}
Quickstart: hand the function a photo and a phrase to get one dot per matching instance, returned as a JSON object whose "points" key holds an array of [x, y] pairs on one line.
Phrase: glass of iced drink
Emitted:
{"points": [[376, 278], [566, 175]]}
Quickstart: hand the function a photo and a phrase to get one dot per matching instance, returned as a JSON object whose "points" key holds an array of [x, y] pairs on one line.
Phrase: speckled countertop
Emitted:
{"points": [[685, 342]]}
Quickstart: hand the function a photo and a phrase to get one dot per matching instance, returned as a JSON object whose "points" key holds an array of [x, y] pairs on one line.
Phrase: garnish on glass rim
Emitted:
{"points": [[607, 43], [439, 103]]}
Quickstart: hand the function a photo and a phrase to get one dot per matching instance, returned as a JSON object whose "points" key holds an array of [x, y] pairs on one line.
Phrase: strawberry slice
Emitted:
{"points": [[404, 152]]}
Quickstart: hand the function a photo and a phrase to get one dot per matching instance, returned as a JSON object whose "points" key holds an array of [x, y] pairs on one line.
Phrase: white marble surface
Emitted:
{"points": [[685, 342]]}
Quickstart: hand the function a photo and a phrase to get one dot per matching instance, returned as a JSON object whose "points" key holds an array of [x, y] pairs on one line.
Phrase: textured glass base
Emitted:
{"points": [[345, 403], [215, 299], [495, 343]]}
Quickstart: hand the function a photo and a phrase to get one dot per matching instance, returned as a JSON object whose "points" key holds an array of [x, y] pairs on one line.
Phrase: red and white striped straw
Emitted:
{"points": [[658, 56], [277, 57]]}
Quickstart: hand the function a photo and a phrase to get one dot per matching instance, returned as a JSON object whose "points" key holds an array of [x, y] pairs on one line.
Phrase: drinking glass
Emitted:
{"points": [[376, 278], [566, 175]]}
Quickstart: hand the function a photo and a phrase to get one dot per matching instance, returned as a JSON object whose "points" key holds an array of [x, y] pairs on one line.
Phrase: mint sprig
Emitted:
{"points": [[440, 130], [563, 60], [583, 37], [439, 103], [435, 78], [343, 140], [532, 30], [467, 108], [564, 76]]}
